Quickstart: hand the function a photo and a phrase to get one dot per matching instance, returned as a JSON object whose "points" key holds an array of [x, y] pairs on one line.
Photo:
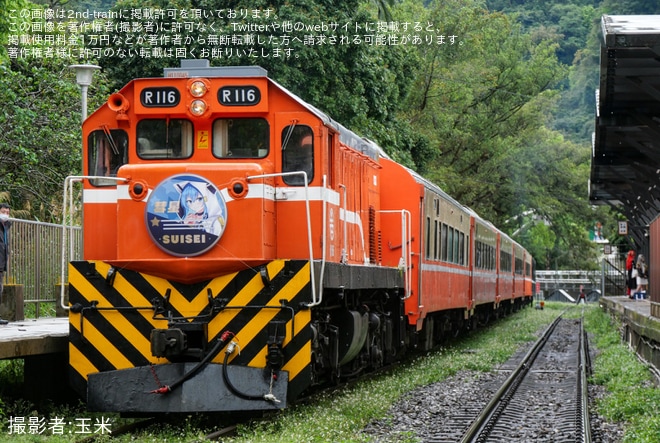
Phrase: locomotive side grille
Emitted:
{"points": [[373, 246], [380, 247], [113, 329]]}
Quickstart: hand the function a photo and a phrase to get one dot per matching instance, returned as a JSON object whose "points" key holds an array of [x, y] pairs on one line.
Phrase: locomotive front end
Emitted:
{"points": [[181, 303]]}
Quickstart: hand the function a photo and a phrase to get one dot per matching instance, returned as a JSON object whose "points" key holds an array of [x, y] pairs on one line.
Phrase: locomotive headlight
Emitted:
{"points": [[198, 107], [198, 88]]}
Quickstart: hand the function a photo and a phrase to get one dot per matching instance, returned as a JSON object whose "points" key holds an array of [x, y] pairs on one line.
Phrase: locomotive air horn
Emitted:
{"points": [[118, 103]]}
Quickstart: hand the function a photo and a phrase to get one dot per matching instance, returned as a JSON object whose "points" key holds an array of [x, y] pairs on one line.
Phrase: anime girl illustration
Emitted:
{"points": [[196, 207]]}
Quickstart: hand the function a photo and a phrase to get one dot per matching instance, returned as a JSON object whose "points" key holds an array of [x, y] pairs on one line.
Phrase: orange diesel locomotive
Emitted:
{"points": [[241, 248]]}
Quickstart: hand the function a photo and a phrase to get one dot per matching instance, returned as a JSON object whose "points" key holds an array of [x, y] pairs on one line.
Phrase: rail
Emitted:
{"points": [[524, 387], [509, 385]]}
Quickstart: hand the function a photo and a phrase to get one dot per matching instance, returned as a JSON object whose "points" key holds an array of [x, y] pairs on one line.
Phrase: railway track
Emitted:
{"points": [[545, 398], [540, 394]]}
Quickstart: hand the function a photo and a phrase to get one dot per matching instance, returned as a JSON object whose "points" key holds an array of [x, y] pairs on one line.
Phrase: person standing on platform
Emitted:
{"points": [[631, 282], [642, 276], [4, 247]]}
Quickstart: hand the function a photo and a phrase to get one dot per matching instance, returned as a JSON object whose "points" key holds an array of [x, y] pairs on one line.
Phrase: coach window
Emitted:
{"points": [[436, 239], [241, 138], [160, 139], [450, 246], [107, 150], [461, 249], [477, 254], [443, 243], [297, 153], [519, 266], [505, 261], [428, 237]]}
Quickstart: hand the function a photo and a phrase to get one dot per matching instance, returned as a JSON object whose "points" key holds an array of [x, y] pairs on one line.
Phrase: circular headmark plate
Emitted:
{"points": [[186, 215]]}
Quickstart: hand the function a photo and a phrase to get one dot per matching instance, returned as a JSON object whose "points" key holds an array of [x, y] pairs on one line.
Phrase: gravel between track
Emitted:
{"points": [[417, 416]]}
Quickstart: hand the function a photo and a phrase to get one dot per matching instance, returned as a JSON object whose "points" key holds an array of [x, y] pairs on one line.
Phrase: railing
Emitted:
{"points": [[568, 277], [614, 277], [610, 279], [35, 260]]}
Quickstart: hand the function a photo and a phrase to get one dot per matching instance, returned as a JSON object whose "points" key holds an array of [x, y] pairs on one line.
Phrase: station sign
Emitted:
{"points": [[623, 228]]}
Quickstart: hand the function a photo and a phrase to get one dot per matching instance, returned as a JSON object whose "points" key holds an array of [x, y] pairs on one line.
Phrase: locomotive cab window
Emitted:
{"points": [[297, 153], [241, 138], [107, 150], [160, 139]]}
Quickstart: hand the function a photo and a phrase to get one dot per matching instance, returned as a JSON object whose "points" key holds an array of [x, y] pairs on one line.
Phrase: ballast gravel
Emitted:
{"points": [[421, 414]]}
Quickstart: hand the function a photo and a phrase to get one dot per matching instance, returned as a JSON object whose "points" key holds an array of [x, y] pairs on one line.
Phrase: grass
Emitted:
{"points": [[632, 398], [339, 417], [43, 309]]}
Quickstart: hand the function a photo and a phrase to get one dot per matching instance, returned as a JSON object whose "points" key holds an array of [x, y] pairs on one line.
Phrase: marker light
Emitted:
{"points": [[198, 107], [198, 88]]}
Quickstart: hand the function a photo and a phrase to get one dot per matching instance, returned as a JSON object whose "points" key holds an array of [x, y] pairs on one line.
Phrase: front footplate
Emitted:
{"points": [[132, 390]]}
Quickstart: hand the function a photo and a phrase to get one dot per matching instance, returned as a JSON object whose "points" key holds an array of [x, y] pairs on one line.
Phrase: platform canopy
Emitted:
{"points": [[625, 167]]}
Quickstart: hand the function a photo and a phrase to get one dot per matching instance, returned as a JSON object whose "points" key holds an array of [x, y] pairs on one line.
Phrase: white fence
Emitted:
{"points": [[609, 280], [36, 258]]}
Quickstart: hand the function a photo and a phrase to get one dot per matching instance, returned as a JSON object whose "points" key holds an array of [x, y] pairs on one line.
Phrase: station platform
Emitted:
{"points": [[32, 337], [640, 330], [43, 346]]}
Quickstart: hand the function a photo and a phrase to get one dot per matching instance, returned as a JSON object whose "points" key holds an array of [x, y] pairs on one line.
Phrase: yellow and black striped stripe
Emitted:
{"points": [[112, 318]]}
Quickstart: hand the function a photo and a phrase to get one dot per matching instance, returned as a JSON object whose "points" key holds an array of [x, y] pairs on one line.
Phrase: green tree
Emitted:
{"points": [[630, 7], [552, 177], [485, 107], [539, 240], [358, 84], [8, 16], [40, 124], [475, 101], [39, 133]]}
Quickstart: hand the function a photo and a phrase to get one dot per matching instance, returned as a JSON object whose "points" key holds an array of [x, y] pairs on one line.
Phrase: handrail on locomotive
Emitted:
{"points": [[315, 302], [67, 204], [406, 252]]}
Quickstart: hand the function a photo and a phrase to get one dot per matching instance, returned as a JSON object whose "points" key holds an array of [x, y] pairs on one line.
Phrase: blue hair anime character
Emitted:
{"points": [[192, 205], [199, 207]]}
